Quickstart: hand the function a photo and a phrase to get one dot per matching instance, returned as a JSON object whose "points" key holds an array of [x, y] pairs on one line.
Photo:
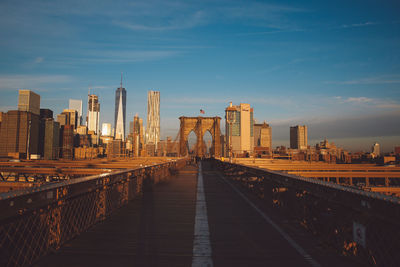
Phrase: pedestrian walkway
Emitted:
{"points": [[156, 230], [167, 228]]}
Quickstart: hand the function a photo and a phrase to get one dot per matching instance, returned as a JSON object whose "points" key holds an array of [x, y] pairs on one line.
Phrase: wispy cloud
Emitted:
{"points": [[384, 79], [260, 10], [101, 87], [180, 15], [266, 15], [113, 56], [270, 32], [178, 23], [196, 100], [13, 82], [378, 103], [284, 65], [224, 100], [362, 24], [33, 62], [360, 99]]}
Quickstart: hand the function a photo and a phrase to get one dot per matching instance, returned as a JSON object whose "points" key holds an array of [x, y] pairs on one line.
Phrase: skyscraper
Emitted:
{"points": [[93, 116], [262, 135], [298, 137], [153, 118], [120, 112], [19, 133], [239, 128], [29, 101], [137, 132], [77, 105], [51, 139]]}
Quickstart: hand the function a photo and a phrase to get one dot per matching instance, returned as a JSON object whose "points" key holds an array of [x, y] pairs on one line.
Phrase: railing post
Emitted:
{"points": [[54, 227], [101, 202], [125, 189]]}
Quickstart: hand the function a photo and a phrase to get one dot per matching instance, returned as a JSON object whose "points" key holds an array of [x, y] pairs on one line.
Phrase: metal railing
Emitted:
{"points": [[364, 226], [38, 220]]}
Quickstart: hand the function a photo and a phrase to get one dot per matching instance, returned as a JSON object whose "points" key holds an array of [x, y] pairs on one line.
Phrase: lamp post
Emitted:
{"points": [[28, 141], [230, 118]]}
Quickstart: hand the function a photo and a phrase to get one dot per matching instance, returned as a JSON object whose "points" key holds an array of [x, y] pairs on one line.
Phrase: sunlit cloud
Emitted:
{"points": [[378, 103], [360, 99]]}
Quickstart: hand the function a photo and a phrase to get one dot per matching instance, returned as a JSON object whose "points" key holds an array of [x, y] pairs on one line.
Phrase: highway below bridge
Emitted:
{"points": [[207, 214]]}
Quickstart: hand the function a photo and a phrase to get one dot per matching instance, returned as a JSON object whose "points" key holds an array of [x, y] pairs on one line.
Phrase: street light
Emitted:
{"points": [[28, 141], [230, 118]]}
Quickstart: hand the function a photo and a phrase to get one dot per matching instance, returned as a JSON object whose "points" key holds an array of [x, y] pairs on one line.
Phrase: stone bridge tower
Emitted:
{"points": [[199, 125]]}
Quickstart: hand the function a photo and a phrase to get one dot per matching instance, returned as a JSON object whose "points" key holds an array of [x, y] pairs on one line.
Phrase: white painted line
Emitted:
{"points": [[201, 242], [293, 243]]}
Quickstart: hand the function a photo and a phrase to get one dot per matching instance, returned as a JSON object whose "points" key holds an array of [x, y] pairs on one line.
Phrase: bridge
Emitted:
{"points": [[180, 213]]}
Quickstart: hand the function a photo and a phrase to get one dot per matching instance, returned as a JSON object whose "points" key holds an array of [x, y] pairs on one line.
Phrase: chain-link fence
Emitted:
{"points": [[35, 221], [358, 224]]}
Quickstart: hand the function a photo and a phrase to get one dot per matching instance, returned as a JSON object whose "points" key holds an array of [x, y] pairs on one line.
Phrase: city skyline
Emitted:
{"points": [[332, 67]]}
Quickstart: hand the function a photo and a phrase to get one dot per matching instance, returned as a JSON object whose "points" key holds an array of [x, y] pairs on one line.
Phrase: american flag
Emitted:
{"points": [[202, 111]]}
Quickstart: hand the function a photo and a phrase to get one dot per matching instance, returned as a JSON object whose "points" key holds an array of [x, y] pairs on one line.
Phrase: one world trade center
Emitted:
{"points": [[120, 112]]}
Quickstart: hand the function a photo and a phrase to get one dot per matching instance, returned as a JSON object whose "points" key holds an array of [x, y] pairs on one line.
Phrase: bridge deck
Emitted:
{"points": [[158, 230]]}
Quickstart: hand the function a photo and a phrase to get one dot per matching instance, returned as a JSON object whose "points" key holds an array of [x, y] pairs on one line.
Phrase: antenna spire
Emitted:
{"points": [[121, 79]]}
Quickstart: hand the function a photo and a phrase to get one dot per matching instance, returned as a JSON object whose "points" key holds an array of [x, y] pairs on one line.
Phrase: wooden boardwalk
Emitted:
{"points": [[158, 230]]}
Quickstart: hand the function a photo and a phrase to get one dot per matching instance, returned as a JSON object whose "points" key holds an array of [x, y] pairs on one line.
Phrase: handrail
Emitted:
{"points": [[358, 224], [353, 189], [37, 220]]}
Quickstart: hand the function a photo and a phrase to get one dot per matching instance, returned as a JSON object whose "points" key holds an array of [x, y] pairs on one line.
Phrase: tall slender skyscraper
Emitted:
{"points": [[120, 112], [93, 121], [153, 118]]}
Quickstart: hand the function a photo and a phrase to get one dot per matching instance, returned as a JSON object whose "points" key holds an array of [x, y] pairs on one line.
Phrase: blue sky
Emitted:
{"points": [[334, 66]]}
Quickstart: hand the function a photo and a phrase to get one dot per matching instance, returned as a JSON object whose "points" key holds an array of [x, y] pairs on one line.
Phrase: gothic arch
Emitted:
{"points": [[200, 125]]}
